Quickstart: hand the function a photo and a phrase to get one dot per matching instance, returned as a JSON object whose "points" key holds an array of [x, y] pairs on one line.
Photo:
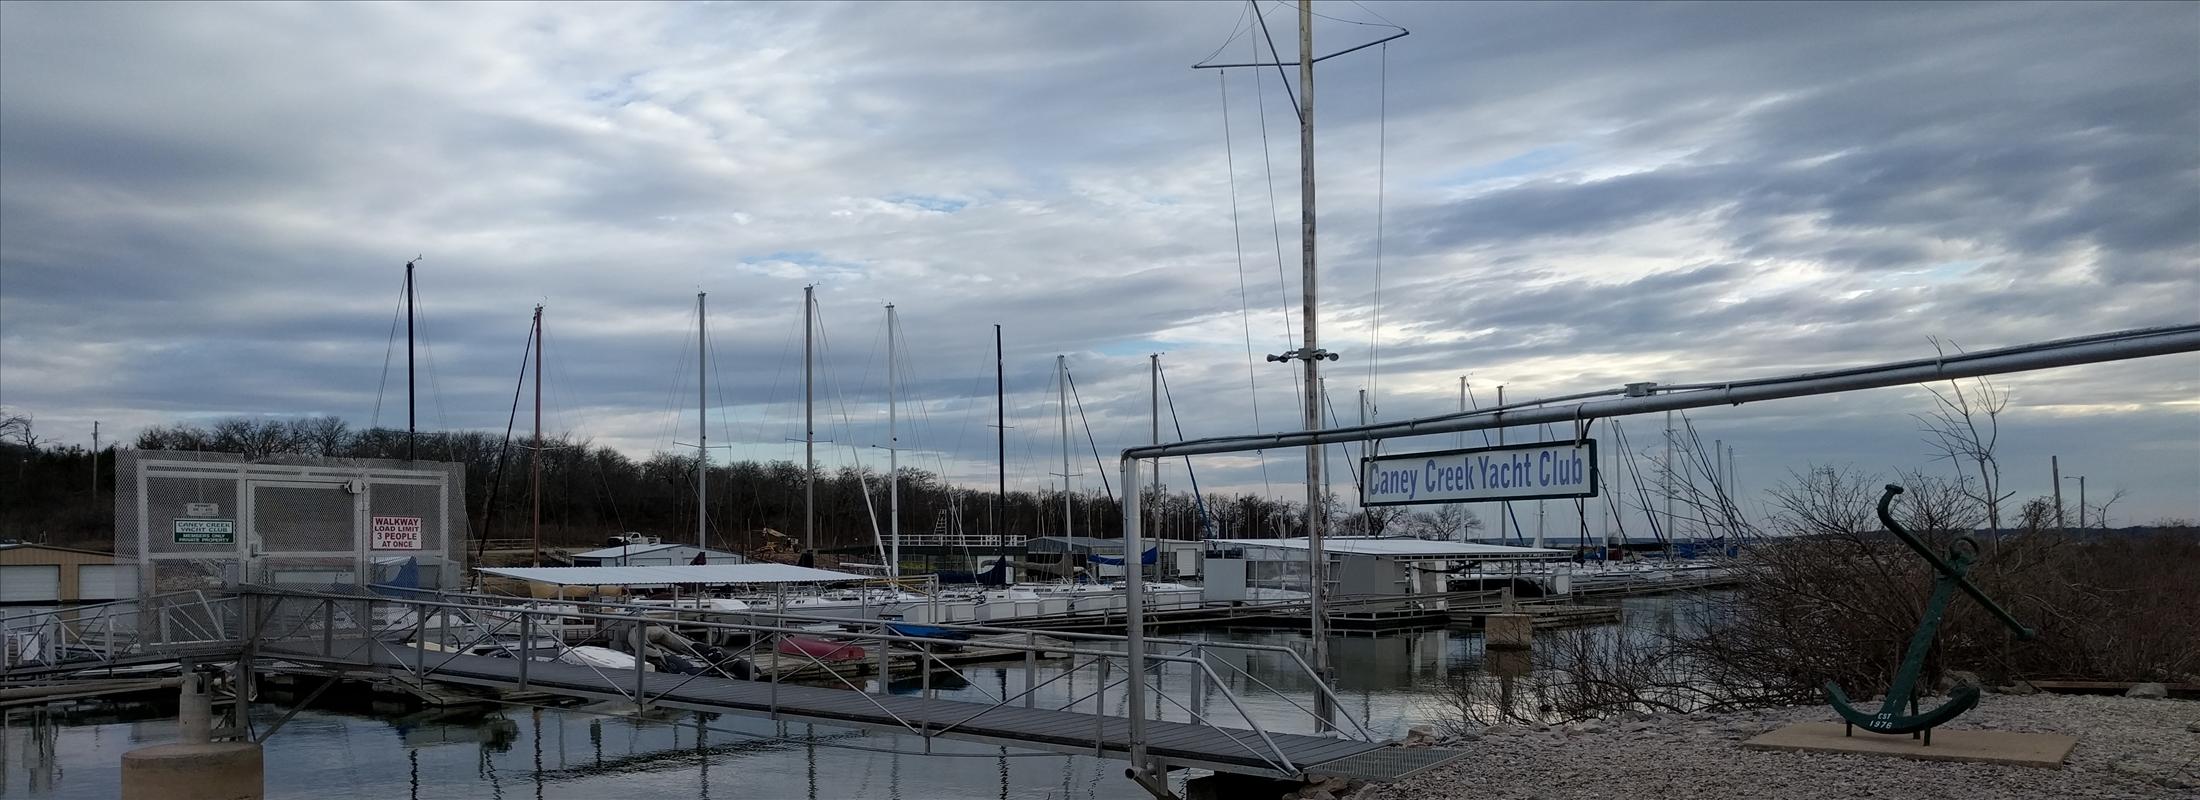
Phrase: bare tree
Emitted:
{"points": [[1964, 428], [1445, 522], [18, 426]]}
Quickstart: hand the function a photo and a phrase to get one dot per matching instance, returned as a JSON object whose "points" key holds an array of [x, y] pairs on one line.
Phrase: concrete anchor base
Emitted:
{"points": [[208, 771], [1508, 631]]}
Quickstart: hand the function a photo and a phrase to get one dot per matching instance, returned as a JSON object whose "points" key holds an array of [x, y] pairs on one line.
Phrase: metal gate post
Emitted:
{"points": [[641, 644], [1100, 709], [526, 645], [328, 627], [420, 645], [1031, 667], [883, 667]]}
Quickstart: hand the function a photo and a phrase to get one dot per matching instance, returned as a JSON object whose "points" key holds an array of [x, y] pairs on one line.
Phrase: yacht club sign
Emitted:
{"points": [[1508, 472]]}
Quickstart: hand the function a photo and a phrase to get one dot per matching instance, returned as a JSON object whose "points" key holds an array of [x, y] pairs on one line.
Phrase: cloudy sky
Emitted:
{"points": [[204, 211]]}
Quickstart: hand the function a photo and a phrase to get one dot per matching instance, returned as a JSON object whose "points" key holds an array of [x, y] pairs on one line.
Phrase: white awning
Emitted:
{"points": [[649, 576], [1394, 547]]}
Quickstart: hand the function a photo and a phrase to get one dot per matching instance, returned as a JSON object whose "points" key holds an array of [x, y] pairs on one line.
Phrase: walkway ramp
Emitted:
{"points": [[1204, 746]]}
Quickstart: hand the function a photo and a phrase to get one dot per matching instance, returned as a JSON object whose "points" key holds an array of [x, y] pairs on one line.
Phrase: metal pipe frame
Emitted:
{"points": [[1633, 399]]}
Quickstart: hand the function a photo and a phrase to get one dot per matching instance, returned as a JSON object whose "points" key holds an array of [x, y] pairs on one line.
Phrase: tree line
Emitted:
{"points": [[589, 491]]}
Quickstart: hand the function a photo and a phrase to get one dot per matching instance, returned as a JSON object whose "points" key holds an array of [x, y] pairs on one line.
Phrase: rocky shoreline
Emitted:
{"points": [[2128, 749]]}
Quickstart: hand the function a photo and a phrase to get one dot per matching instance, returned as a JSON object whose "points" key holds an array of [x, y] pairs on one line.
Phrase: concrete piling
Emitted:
{"points": [[195, 768]]}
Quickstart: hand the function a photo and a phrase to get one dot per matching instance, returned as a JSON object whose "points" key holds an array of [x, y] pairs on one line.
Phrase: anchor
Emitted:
{"points": [[1962, 553]]}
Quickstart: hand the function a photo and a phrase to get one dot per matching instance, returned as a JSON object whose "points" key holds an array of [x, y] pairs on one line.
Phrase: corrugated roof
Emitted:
{"points": [[1399, 547], [625, 550], [700, 573]]}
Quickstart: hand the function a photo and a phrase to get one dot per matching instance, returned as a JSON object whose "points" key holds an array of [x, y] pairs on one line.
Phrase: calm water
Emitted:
{"points": [[603, 751]]}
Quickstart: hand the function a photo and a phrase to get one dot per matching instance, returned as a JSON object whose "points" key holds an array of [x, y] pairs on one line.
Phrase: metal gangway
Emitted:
{"points": [[1211, 706]]}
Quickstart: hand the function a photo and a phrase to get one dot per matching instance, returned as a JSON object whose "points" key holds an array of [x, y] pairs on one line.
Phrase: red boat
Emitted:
{"points": [[820, 649]]}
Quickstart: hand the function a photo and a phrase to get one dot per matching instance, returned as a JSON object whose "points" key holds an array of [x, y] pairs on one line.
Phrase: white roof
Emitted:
{"points": [[1396, 547], [700, 573], [626, 550]]}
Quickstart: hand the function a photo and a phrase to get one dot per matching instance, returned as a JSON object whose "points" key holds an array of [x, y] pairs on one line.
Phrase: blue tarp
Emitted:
{"points": [[1153, 555]]}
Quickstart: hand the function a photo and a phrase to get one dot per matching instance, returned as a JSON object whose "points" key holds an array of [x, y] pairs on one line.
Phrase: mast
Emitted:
{"points": [[1316, 510], [1672, 532], [702, 429], [1155, 379], [893, 451], [534, 459], [95, 462], [1504, 510], [1000, 445], [1061, 375], [411, 401], [809, 429]]}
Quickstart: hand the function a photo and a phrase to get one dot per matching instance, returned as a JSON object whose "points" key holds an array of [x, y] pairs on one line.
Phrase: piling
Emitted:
{"points": [[195, 768], [1508, 630]]}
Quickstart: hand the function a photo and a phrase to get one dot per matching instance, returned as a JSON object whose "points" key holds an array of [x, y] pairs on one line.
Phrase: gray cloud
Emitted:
{"points": [[203, 208]]}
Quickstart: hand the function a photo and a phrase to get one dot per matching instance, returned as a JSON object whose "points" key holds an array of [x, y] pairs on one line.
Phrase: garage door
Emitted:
{"points": [[30, 583], [96, 582]]}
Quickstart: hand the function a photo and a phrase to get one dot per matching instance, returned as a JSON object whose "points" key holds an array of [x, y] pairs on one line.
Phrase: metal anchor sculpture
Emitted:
{"points": [[1962, 553]]}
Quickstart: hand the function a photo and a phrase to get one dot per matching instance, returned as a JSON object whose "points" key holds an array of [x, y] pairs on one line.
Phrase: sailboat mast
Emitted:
{"points": [[412, 405], [893, 449], [702, 428], [1061, 381], [1155, 379], [1312, 357], [809, 429], [534, 459], [1316, 509], [1000, 445]]}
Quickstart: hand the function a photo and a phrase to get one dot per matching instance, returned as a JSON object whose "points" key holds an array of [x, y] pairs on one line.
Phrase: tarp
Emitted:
{"points": [[1152, 554], [652, 576]]}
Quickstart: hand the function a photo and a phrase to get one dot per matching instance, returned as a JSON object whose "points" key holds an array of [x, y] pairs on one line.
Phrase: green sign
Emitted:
{"points": [[206, 531]]}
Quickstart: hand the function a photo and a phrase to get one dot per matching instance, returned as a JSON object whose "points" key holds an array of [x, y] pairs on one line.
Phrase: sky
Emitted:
{"points": [[205, 210]]}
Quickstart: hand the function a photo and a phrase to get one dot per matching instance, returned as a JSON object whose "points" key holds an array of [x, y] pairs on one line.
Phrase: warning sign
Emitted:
{"points": [[395, 533]]}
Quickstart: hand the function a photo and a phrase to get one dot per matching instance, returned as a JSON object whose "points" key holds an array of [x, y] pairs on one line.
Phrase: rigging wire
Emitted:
{"points": [[496, 477], [1245, 308], [1199, 501], [1382, 142], [1098, 465], [1275, 222], [382, 387]]}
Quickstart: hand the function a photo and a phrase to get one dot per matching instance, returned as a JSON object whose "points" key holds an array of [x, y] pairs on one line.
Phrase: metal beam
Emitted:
{"points": [[1649, 398]]}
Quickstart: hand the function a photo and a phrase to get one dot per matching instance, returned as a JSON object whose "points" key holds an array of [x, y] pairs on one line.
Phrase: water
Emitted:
{"points": [[602, 751]]}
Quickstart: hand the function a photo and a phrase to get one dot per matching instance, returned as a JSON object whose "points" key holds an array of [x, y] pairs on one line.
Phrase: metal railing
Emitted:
{"points": [[106, 635], [422, 635]]}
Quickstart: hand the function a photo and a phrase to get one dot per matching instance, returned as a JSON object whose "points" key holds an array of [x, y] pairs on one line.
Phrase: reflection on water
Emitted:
{"points": [[601, 751]]}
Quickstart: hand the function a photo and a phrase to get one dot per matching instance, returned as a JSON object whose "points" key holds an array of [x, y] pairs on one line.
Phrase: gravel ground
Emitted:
{"points": [[2127, 748]]}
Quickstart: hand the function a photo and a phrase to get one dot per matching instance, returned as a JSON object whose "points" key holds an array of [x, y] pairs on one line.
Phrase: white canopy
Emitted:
{"points": [[650, 576], [1393, 547]]}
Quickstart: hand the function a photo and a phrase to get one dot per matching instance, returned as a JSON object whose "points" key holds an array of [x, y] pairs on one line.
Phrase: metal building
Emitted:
{"points": [[45, 575], [192, 520]]}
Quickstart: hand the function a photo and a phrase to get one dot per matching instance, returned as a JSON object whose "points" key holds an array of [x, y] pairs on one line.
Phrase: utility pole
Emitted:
{"points": [[95, 463], [412, 404], [809, 430], [2054, 463], [534, 459]]}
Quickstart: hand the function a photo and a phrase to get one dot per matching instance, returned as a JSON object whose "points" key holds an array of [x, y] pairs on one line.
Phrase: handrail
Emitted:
{"points": [[678, 615]]}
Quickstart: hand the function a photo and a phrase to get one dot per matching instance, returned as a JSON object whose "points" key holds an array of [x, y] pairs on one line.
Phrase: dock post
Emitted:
{"points": [[885, 665], [641, 643], [1031, 666], [197, 768], [924, 669], [328, 628], [1100, 710], [420, 646], [1199, 681], [526, 645], [772, 640]]}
